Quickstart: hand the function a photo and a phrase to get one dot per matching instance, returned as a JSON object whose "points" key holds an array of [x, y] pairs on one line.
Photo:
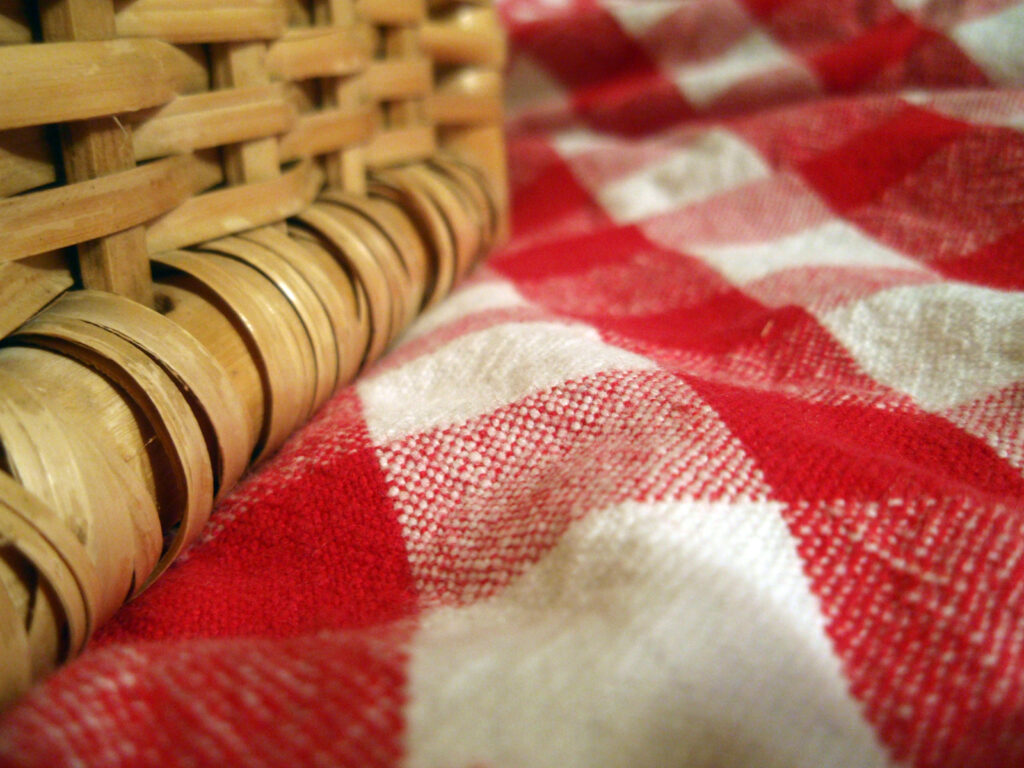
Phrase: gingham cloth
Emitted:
{"points": [[718, 463]]}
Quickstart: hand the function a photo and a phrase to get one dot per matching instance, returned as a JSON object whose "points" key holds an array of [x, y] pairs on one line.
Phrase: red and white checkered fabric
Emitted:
{"points": [[719, 463]]}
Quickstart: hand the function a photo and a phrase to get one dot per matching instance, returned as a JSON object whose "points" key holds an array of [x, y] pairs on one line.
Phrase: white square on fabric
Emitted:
{"points": [[832, 244], [909, 6], [638, 17], [756, 53], [484, 296], [479, 372], [944, 344], [716, 161], [529, 87], [579, 140], [650, 636], [994, 43], [1003, 108]]}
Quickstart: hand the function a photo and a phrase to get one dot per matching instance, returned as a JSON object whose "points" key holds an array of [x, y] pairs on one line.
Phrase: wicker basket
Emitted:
{"points": [[212, 214]]}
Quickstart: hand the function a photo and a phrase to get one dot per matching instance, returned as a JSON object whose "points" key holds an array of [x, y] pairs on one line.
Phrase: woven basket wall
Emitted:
{"points": [[212, 214]]}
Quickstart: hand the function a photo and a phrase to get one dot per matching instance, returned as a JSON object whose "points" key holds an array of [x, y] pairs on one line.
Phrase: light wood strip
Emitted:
{"points": [[483, 147], [14, 27], [60, 558], [28, 285], [191, 305], [25, 160], [339, 12], [440, 5], [52, 459], [212, 119], [59, 82], [345, 169], [320, 52], [265, 320], [326, 131], [400, 145], [235, 209], [154, 393], [202, 21], [117, 263], [400, 79], [392, 12], [403, 44], [16, 676], [56, 218], [194, 369], [457, 109], [243, 65], [290, 280], [472, 81], [470, 36]]}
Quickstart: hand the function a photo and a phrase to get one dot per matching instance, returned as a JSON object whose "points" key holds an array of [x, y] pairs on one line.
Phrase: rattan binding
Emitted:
{"points": [[213, 213]]}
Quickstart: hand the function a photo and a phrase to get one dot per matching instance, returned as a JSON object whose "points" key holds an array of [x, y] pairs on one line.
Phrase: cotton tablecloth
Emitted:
{"points": [[718, 462]]}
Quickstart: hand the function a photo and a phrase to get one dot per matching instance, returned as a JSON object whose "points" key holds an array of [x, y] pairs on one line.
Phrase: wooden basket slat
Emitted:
{"points": [[95, 148], [406, 78], [456, 108], [243, 64], [212, 119], [14, 27], [392, 12], [463, 38], [468, 96], [395, 146], [468, 35], [235, 209], [323, 52], [204, 133], [26, 160], [63, 216], [60, 82], [325, 131], [256, 119], [28, 285], [201, 21]]}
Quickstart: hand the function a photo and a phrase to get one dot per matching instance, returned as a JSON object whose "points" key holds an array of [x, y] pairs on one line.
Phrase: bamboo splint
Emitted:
{"points": [[213, 213]]}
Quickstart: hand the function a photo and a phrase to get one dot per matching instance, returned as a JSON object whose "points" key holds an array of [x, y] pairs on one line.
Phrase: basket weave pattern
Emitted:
{"points": [[212, 214]]}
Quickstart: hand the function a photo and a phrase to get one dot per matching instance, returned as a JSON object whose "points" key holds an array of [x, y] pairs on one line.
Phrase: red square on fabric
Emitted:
{"points": [[920, 595], [329, 698], [869, 163], [548, 201], [962, 205], [855, 451], [809, 26], [262, 568], [613, 80], [856, 62], [673, 300], [999, 264], [483, 500], [592, 49], [634, 104], [693, 32], [791, 137], [934, 61]]}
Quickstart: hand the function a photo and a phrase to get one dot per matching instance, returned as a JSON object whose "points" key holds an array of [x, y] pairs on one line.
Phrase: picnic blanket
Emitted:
{"points": [[717, 463]]}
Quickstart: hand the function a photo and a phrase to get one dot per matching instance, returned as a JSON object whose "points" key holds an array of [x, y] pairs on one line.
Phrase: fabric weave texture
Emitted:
{"points": [[719, 462]]}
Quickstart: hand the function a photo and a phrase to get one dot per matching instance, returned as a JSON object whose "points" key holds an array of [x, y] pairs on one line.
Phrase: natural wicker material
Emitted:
{"points": [[257, 197]]}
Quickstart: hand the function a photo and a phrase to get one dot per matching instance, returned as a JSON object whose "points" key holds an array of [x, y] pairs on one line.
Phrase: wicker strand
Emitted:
{"points": [[261, 195]]}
